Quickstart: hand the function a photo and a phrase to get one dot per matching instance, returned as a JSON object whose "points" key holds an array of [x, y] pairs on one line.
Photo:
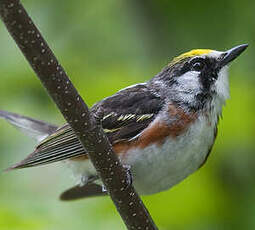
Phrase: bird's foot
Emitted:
{"points": [[129, 177]]}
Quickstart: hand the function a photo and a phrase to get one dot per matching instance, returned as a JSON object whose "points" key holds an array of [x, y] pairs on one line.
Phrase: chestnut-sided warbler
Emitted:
{"points": [[163, 129]]}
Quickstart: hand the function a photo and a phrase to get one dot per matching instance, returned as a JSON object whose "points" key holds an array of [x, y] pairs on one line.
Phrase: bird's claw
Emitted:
{"points": [[129, 177]]}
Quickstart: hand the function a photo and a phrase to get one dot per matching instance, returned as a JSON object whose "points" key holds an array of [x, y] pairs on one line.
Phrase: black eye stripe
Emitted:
{"points": [[197, 64], [197, 59], [209, 71]]}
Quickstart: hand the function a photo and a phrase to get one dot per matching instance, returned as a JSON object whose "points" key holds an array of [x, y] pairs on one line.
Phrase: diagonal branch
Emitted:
{"points": [[76, 113]]}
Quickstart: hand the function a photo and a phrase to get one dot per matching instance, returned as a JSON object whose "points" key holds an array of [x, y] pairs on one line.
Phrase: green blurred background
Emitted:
{"points": [[105, 46]]}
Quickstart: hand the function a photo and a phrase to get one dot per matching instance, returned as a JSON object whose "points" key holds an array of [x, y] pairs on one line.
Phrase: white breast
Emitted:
{"points": [[158, 168]]}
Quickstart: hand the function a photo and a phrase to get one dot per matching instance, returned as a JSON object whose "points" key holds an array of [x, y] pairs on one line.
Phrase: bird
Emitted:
{"points": [[163, 129]]}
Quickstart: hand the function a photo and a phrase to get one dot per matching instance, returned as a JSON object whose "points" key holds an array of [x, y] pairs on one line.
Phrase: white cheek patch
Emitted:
{"points": [[187, 87], [189, 82]]}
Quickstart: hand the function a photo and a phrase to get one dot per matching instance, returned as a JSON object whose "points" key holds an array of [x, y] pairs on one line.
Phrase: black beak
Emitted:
{"points": [[232, 54]]}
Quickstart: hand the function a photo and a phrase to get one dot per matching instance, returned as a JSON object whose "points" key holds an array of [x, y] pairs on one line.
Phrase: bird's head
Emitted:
{"points": [[198, 76]]}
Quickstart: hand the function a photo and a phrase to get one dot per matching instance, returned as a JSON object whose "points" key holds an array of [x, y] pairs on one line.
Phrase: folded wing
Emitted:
{"points": [[125, 115]]}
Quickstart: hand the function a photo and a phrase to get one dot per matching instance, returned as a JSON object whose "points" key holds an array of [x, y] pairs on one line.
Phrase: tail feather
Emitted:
{"points": [[85, 191], [55, 144], [35, 159], [34, 128]]}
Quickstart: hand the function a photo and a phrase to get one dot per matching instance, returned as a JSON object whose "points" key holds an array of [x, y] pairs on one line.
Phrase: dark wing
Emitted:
{"points": [[128, 112], [85, 191], [125, 115]]}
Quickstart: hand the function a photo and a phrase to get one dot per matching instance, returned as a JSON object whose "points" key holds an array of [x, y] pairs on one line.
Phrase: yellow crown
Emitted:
{"points": [[192, 53]]}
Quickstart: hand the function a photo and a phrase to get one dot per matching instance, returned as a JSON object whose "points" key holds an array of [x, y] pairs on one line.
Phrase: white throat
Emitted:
{"points": [[222, 85], [221, 89]]}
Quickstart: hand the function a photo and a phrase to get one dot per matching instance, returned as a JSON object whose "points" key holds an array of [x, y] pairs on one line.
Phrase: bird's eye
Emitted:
{"points": [[198, 65]]}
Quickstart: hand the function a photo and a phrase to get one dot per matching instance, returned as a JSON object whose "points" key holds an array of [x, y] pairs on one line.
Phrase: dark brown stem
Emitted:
{"points": [[76, 113]]}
